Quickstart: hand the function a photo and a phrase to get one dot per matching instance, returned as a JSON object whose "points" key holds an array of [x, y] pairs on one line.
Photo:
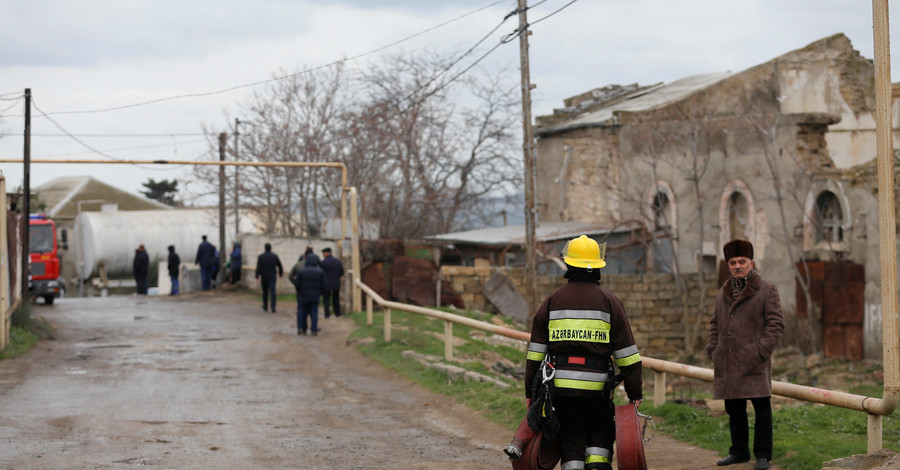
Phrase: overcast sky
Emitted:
{"points": [[79, 56]]}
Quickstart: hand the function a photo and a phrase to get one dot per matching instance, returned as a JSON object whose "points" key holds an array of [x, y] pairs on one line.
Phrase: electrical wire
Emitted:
{"points": [[261, 82], [445, 70], [161, 134], [17, 101], [513, 35], [400, 111], [567, 5], [92, 149], [134, 147]]}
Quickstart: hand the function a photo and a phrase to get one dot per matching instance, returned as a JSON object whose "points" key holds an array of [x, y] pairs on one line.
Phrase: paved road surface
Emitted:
{"points": [[202, 381]]}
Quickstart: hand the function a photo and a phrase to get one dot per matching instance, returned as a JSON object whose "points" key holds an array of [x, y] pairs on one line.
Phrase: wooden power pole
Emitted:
{"points": [[528, 148], [223, 142], [237, 219], [26, 199]]}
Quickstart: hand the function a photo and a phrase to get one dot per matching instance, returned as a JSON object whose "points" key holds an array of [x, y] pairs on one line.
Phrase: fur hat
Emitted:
{"points": [[736, 248]]}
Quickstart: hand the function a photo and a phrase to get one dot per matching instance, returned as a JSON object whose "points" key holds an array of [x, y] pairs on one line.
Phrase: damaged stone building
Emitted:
{"points": [[781, 154]]}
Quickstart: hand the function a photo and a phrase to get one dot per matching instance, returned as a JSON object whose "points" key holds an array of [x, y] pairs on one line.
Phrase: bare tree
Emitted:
{"points": [[422, 149], [787, 176], [693, 163], [670, 143], [297, 119], [442, 147]]}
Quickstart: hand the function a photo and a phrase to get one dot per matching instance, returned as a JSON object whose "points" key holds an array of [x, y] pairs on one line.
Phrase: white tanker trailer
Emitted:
{"points": [[110, 238]]}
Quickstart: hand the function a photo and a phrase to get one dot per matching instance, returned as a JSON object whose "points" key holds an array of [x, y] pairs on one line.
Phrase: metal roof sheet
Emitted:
{"points": [[515, 234], [639, 100]]}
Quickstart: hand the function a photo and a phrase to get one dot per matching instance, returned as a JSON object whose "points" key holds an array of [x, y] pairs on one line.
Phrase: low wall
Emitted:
{"points": [[654, 306]]}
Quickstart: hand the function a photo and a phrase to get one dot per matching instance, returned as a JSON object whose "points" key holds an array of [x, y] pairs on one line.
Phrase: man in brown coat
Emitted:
{"points": [[743, 332]]}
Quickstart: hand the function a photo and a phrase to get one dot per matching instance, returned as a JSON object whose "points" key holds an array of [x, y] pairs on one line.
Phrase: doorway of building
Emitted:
{"points": [[836, 289]]}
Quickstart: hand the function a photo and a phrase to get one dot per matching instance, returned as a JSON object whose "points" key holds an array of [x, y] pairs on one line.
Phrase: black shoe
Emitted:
{"points": [[301, 332], [265, 309], [273, 310], [732, 459], [761, 464]]}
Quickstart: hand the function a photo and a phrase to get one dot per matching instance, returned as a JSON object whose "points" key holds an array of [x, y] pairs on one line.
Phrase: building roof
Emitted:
{"points": [[63, 194], [515, 234], [641, 99]]}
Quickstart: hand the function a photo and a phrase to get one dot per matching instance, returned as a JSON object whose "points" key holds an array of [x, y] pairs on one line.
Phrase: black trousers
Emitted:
{"points": [[332, 299], [740, 430], [586, 422]]}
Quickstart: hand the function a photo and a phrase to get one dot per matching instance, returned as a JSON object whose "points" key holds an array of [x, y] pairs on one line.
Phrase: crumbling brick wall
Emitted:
{"points": [[652, 301]]}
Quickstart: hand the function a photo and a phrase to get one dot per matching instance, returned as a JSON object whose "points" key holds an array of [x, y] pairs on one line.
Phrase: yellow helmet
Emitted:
{"points": [[583, 252]]}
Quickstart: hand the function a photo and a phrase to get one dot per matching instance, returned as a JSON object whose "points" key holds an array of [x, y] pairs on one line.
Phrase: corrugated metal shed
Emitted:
{"points": [[640, 100], [515, 234]]}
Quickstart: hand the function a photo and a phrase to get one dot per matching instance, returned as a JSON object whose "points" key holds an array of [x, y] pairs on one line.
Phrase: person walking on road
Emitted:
{"points": [[236, 262], [578, 333], [308, 281], [745, 328], [206, 258], [331, 294], [268, 270], [141, 267], [173, 265]]}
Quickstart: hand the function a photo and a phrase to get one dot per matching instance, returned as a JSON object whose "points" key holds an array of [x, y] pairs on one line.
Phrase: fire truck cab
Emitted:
{"points": [[44, 279]]}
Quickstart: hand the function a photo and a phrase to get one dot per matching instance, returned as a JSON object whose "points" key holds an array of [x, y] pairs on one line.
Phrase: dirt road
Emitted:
{"points": [[214, 382]]}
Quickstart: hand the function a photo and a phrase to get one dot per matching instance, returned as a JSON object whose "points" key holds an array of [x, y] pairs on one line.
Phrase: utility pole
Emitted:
{"points": [[237, 220], [528, 148], [26, 198], [223, 142]]}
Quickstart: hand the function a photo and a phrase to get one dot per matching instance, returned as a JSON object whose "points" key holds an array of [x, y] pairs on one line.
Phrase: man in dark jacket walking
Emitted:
{"points": [[268, 270], [743, 332], [141, 268], [206, 258], [333, 269], [173, 264], [308, 281]]}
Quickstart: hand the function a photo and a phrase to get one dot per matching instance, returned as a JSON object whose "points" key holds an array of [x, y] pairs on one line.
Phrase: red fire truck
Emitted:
{"points": [[44, 280]]}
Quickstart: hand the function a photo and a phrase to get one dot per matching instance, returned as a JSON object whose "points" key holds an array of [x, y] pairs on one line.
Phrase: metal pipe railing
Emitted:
{"points": [[874, 407], [449, 319]]}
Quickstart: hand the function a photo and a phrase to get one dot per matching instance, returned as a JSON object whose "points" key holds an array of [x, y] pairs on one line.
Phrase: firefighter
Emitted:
{"points": [[580, 330]]}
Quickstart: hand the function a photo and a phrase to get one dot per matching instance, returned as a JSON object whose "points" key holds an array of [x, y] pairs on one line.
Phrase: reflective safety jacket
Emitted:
{"points": [[582, 326]]}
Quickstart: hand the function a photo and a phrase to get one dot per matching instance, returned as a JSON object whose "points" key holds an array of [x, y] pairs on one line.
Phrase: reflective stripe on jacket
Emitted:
{"points": [[583, 319]]}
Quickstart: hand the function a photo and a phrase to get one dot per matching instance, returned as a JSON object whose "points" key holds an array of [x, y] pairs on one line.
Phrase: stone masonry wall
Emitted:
{"points": [[652, 301]]}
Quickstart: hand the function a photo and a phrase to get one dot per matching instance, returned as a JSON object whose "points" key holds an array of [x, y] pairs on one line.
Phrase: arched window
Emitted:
{"points": [[660, 207], [829, 218], [738, 216]]}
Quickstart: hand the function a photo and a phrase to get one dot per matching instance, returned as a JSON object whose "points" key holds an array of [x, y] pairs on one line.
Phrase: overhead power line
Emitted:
{"points": [[274, 79], [149, 166], [158, 134]]}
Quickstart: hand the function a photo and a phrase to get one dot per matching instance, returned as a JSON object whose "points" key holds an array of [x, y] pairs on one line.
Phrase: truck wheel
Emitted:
{"points": [[48, 299]]}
